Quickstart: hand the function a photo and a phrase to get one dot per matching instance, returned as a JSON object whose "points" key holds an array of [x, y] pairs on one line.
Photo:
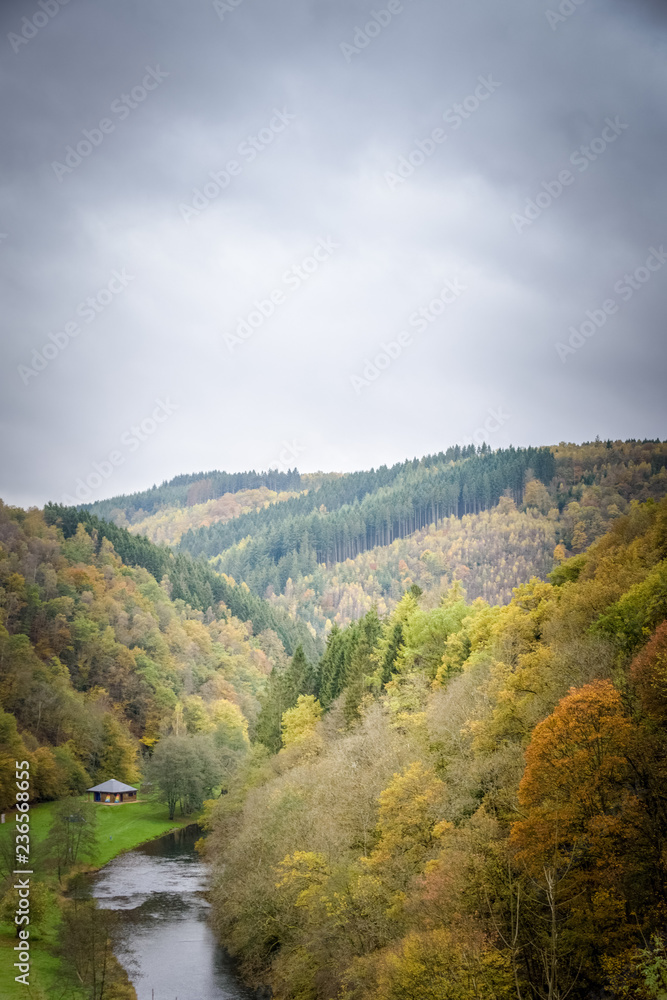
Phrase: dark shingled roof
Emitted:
{"points": [[112, 786]]}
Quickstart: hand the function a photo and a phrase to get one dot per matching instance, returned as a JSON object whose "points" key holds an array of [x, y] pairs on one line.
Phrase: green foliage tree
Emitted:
{"points": [[41, 901], [359, 664], [185, 769], [72, 836], [119, 753], [332, 667], [282, 692]]}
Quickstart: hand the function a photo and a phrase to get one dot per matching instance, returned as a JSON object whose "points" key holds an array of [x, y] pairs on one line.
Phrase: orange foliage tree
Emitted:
{"points": [[577, 841]]}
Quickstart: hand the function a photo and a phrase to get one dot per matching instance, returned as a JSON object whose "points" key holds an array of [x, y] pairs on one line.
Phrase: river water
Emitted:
{"points": [[170, 952]]}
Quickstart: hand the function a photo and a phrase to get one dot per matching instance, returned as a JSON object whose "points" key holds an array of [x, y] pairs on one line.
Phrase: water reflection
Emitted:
{"points": [[170, 952]]}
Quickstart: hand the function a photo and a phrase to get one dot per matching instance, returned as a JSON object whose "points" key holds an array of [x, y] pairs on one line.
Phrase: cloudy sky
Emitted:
{"points": [[330, 233]]}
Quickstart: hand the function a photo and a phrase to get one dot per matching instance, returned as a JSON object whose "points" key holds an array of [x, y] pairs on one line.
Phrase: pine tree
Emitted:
{"points": [[332, 666], [282, 693], [267, 728], [299, 678], [360, 664], [389, 655]]}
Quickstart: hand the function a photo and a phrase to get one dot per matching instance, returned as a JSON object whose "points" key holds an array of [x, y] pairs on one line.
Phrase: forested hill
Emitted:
{"points": [[330, 545], [355, 513], [189, 580], [191, 489], [291, 540], [335, 489], [98, 663], [490, 552], [464, 802]]}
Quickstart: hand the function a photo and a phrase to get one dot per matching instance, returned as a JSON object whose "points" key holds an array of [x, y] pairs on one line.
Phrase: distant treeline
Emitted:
{"points": [[190, 580], [198, 487], [348, 516]]}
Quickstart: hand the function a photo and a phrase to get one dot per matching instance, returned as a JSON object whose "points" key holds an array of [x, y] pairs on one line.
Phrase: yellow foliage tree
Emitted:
{"points": [[298, 723]]}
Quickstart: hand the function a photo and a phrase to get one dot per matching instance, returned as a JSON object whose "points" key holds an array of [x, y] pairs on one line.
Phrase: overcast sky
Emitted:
{"points": [[353, 192]]}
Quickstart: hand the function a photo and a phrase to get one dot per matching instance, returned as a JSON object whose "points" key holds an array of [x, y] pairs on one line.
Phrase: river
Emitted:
{"points": [[170, 953]]}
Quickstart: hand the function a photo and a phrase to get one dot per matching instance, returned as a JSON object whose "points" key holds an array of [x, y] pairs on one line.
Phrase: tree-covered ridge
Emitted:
{"points": [[270, 546], [95, 656], [494, 551], [189, 580], [196, 488], [168, 525], [192, 489], [586, 486], [491, 553], [480, 813]]}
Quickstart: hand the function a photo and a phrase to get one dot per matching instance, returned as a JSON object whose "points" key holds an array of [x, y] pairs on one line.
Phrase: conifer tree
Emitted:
{"points": [[332, 666], [282, 693], [360, 664]]}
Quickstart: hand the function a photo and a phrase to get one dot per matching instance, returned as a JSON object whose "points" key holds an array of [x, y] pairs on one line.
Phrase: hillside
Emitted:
{"points": [[193, 582], [96, 657], [440, 729], [337, 522], [491, 553], [592, 485], [190, 490], [347, 541], [168, 524], [467, 802]]}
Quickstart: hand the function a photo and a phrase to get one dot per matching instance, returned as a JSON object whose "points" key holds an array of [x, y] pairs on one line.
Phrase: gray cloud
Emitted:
{"points": [[324, 176]]}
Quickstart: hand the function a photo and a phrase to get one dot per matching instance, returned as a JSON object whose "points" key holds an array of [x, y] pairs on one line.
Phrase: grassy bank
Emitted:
{"points": [[119, 828]]}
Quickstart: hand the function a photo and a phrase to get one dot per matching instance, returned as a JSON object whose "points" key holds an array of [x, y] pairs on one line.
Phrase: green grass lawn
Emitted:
{"points": [[119, 828], [45, 970]]}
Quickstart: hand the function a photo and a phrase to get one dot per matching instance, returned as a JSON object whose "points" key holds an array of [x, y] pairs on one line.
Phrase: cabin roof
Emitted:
{"points": [[112, 786]]}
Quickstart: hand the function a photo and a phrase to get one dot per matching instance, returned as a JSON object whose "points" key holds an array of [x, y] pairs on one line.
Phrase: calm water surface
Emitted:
{"points": [[170, 953]]}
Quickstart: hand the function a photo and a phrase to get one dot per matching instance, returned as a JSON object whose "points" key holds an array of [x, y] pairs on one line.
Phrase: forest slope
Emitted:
{"points": [[491, 552], [480, 812], [96, 657], [186, 579], [168, 525]]}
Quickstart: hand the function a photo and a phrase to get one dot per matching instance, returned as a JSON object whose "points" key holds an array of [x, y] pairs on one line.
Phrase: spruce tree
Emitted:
{"points": [[391, 652], [360, 666], [332, 666]]}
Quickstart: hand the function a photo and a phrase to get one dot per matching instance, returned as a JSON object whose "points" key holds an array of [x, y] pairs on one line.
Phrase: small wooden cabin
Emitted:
{"points": [[113, 792]]}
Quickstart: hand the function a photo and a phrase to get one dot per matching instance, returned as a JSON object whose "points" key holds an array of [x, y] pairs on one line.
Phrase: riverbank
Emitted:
{"points": [[159, 892], [120, 828]]}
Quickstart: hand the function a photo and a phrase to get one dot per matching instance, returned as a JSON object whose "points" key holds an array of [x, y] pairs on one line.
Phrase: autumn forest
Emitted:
{"points": [[420, 711]]}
